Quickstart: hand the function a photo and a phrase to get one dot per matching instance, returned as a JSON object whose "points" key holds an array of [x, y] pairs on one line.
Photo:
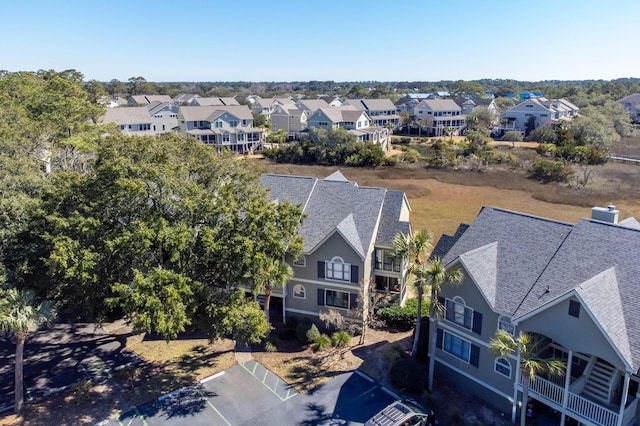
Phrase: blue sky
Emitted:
{"points": [[340, 40]]}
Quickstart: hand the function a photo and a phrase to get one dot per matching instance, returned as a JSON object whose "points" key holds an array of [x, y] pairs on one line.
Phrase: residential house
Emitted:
{"points": [[407, 104], [291, 119], [440, 115], [185, 98], [312, 105], [536, 112], [225, 127], [153, 119], [631, 104], [574, 285], [348, 231], [383, 112], [468, 105], [355, 121], [266, 106], [147, 99], [225, 101], [333, 100]]}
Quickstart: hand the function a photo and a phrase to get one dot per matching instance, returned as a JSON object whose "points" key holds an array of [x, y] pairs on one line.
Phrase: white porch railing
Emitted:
{"points": [[548, 391], [592, 411]]}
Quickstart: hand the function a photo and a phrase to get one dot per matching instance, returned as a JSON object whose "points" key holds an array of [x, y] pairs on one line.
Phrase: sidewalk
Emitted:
{"points": [[243, 353]]}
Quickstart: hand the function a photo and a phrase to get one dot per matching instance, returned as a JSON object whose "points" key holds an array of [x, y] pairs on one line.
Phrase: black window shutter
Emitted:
{"points": [[439, 339], [354, 273], [477, 322], [449, 311], [475, 356], [320, 269], [321, 296], [353, 302]]}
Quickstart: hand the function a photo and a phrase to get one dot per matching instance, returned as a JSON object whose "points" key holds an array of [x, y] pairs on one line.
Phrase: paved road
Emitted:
{"points": [[59, 356], [249, 394]]}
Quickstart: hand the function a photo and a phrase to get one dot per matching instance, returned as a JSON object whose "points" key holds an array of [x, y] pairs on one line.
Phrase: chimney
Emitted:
{"points": [[607, 214]]}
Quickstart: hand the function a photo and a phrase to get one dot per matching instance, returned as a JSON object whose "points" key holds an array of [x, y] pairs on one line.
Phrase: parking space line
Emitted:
{"points": [[138, 415], [366, 392], [265, 385], [213, 407]]}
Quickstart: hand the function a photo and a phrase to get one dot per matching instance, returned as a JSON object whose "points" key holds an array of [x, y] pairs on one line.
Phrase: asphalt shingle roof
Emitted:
{"points": [[362, 215], [537, 261]]}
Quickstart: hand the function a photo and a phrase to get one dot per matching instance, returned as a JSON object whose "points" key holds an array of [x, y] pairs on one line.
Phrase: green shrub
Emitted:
{"points": [[313, 334], [551, 171], [302, 328], [271, 346], [512, 136], [340, 339], [403, 318], [82, 391], [409, 375], [323, 342]]}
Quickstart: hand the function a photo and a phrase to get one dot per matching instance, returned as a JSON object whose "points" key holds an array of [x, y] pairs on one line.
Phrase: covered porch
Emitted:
{"points": [[593, 392]]}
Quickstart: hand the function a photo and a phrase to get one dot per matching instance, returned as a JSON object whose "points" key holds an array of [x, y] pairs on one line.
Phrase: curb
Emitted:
{"points": [[214, 376]]}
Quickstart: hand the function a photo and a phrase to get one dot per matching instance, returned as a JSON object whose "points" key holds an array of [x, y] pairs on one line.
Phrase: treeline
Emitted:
{"points": [[163, 230], [334, 147]]}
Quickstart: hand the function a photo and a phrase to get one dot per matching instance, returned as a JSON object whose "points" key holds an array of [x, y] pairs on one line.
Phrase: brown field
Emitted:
{"points": [[442, 199]]}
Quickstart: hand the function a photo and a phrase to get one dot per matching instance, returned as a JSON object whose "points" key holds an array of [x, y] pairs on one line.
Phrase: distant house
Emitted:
{"points": [[266, 106], [574, 286], [185, 98], [536, 112], [224, 127], [130, 120], [147, 99], [226, 101], [348, 231], [439, 115], [355, 121], [631, 104], [383, 112], [468, 105], [291, 119], [312, 105], [407, 104], [153, 119]]}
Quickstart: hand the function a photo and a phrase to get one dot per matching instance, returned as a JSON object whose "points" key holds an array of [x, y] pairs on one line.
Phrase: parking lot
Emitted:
{"points": [[249, 394]]}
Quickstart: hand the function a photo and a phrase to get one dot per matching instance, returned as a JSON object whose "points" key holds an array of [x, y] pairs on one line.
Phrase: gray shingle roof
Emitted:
{"points": [[537, 261], [362, 215], [127, 115]]}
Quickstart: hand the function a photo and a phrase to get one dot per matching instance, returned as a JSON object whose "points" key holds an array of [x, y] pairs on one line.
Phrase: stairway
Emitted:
{"points": [[599, 382]]}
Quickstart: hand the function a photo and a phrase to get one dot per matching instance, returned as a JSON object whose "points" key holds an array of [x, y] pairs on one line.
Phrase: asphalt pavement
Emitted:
{"points": [[59, 356]]}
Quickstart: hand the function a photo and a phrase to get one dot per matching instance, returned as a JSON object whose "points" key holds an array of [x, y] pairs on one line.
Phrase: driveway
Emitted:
{"points": [[249, 394], [59, 356]]}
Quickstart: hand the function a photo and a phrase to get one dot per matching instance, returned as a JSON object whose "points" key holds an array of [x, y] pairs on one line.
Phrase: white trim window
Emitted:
{"points": [[457, 312], [456, 346], [299, 292], [502, 366], [300, 261], [337, 269], [336, 299]]}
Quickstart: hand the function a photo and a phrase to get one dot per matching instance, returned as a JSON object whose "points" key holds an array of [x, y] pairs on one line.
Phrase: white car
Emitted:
{"points": [[403, 413]]}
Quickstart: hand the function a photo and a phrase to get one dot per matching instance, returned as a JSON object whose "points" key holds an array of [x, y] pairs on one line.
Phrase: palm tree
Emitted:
{"points": [[421, 124], [528, 347], [19, 314], [437, 275], [414, 248], [271, 275]]}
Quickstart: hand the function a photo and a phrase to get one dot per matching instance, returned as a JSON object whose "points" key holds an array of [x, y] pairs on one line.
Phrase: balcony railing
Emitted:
{"points": [[578, 406]]}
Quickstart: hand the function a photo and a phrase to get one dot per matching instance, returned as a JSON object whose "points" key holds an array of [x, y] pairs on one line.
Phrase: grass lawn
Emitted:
{"points": [[169, 366]]}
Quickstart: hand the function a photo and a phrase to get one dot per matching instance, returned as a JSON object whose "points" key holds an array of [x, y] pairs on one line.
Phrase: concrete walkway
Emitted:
{"points": [[242, 353]]}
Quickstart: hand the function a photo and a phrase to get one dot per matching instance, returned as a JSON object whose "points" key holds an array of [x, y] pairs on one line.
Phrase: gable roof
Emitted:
{"points": [[147, 99], [208, 113], [312, 104], [539, 261], [127, 115], [371, 104], [335, 204], [440, 104]]}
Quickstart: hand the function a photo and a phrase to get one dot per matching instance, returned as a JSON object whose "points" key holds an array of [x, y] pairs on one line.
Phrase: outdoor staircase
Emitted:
{"points": [[600, 382]]}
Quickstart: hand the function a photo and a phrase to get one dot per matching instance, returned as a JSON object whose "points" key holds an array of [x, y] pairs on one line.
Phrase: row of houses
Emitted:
{"points": [[576, 286]]}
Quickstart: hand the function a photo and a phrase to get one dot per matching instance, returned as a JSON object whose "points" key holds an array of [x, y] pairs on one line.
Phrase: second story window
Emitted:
{"points": [[385, 262], [457, 312], [338, 270], [218, 124], [504, 323], [233, 123]]}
